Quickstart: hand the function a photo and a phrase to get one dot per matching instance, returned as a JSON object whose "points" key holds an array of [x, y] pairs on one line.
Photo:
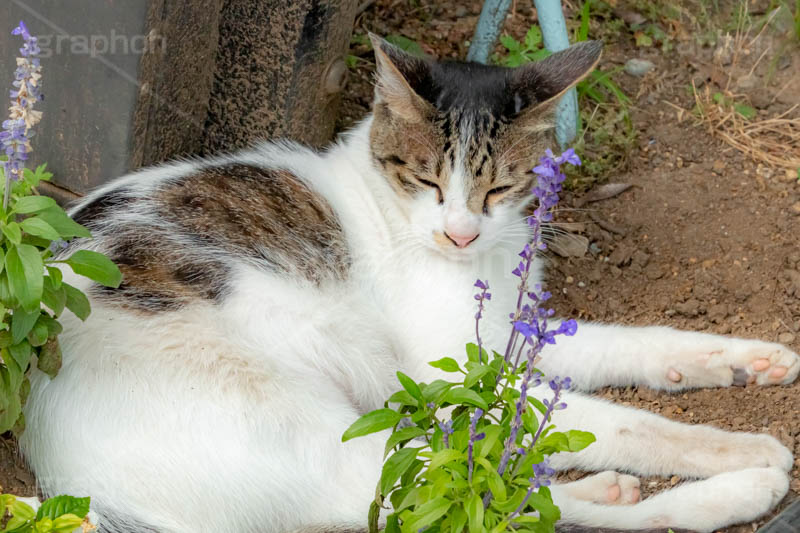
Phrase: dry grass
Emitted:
{"points": [[774, 141]]}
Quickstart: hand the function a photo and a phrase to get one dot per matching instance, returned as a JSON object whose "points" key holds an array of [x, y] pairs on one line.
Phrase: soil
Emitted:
{"points": [[706, 239]]}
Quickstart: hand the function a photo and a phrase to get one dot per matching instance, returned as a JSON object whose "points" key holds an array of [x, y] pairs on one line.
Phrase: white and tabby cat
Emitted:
{"points": [[270, 296]]}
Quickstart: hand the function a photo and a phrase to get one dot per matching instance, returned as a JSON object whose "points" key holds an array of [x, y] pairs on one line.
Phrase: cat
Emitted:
{"points": [[270, 296]]}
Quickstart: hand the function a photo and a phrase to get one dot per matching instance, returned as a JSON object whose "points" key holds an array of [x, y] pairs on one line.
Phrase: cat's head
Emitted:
{"points": [[457, 141]]}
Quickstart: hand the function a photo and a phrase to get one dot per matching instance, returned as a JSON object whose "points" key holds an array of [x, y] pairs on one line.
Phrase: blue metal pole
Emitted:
{"points": [[490, 23], [554, 34]]}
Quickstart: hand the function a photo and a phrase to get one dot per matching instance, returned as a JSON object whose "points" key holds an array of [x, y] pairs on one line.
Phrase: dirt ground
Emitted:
{"points": [[706, 239]]}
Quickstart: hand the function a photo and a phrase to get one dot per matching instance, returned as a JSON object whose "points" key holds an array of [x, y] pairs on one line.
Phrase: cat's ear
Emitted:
{"points": [[399, 76], [538, 85]]}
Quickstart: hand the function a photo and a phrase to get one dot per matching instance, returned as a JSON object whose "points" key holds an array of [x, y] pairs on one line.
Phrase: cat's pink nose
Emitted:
{"points": [[462, 241]]}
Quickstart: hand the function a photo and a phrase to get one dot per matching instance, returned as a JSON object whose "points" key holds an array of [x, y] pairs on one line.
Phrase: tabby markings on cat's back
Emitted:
{"points": [[179, 251]]}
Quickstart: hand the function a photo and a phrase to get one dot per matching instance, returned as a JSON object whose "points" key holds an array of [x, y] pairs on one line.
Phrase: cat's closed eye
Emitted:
{"points": [[494, 195], [432, 185]]}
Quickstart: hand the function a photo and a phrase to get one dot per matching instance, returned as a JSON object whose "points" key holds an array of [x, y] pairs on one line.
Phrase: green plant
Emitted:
{"points": [[529, 49], [33, 235], [472, 453], [61, 514]]}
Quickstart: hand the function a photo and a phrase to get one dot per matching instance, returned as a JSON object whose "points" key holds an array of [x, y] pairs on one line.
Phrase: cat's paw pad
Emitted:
{"points": [[744, 362], [768, 364], [608, 488]]}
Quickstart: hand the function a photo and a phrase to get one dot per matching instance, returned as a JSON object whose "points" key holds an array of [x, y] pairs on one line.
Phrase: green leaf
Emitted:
{"points": [[461, 395], [38, 335], [511, 44], [33, 204], [25, 273], [77, 302], [21, 324], [745, 110], [474, 509], [578, 440], [54, 298], [553, 443], [476, 374], [22, 510], [403, 398], [65, 226], [406, 44], [435, 390], [443, 457], [533, 39], [50, 358], [538, 405], [395, 466], [510, 504], [62, 505], [543, 502], [403, 435], [426, 514], [473, 354], [495, 482], [458, 519], [12, 232], [409, 385], [448, 364], [66, 523], [372, 422], [484, 446], [56, 276], [21, 353], [37, 226], [96, 267]]}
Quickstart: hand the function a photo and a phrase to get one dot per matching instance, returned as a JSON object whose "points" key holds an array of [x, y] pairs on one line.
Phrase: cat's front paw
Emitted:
{"points": [[735, 362]]}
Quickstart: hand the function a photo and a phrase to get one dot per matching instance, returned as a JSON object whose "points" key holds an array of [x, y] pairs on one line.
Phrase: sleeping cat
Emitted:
{"points": [[270, 296]]}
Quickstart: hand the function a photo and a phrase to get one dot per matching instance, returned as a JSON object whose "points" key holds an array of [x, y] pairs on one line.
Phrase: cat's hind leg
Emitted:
{"points": [[645, 443], [704, 506]]}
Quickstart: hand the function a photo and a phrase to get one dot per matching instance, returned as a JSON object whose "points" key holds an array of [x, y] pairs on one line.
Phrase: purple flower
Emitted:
{"points": [[542, 474], [447, 430], [16, 134], [473, 438]]}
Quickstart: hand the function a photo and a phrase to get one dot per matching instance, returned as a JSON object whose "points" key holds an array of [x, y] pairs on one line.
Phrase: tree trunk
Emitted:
{"points": [[280, 71]]}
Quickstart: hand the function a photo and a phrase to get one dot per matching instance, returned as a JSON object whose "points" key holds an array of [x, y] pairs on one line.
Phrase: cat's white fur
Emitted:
{"points": [[229, 418]]}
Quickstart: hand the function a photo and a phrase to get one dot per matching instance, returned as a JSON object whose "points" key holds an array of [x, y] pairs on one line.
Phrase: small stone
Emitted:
{"points": [[620, 256], [581, 284], [717, 313], [461, 11], [570, 245], [594, 249], [747, 82], [718, 165], [689, 308], [638, 67], [761, 98], [786, 338], [653, 271], [795, 209], [570, 280], [640, 258]]}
